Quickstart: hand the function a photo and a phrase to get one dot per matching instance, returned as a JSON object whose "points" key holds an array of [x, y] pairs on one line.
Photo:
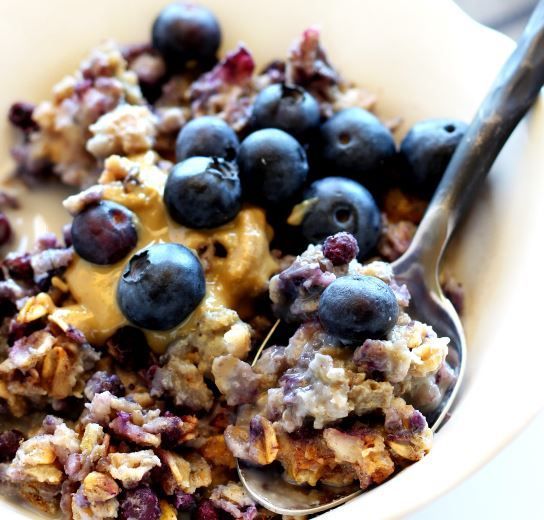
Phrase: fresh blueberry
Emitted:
{"points": [[355, 308], [104, 233], [273, 166], [207, 136], [186, 32], [203, 192], [338, 204], [160, 286], [289, 108], [427, 150], [354, 143]]}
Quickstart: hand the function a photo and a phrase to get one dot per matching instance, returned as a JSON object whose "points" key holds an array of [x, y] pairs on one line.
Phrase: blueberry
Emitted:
{"points": [[207, 136], [20, 116], [355, 308], [186, 32], [341, 204], [206, 511], [139, 503], [9, 444], [129, 348], [104, 233], [289, 108], [354, 143], [184, 502], [160, 286], [5, 229], [341, 248], [103, 382], [427, 150], [203, 192], [273, 166]]}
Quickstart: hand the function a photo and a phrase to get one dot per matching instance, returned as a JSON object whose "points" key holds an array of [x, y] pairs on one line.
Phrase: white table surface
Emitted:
{"points": [[510, 486]]}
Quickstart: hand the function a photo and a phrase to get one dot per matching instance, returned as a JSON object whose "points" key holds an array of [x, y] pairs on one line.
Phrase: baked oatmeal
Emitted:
{"points": [[212, 198]]}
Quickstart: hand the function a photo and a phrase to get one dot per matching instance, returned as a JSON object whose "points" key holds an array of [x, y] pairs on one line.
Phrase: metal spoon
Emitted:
{"points": [[510, 97]]}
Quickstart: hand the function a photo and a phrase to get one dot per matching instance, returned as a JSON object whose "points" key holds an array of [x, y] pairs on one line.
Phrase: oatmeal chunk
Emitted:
{"points": [[235, 380], [46, 363], [187, 473], [189, 359], [126, 130], [366, 451], [130, 468], [233, 499], [101, 83]]}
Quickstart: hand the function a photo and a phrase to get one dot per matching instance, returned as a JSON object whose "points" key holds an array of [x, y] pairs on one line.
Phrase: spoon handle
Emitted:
{"points": [[510, 97]]}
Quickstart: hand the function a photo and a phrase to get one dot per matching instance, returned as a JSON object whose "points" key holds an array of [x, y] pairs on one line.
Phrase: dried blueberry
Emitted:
{"points": [[273, 166], [186, 32], [140, 503], [289, 108], [354, 143], [172, 432], [339, 204], [206, 511], [19, 266], [129, 347], [67, 234], [9, 444], [20, 116], [103, 382], [203, 192], [207, 136], [69, 408], [104, 233], [5, 229], [160, 286], [427, 150], [341, 248], [184, 502], [356, 308]]}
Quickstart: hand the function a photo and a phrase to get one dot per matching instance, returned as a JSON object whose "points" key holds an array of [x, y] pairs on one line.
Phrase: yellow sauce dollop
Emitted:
{"points": [[232, 280]]}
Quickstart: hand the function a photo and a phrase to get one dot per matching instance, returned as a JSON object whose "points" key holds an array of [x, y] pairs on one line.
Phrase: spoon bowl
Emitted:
{"points": [[510, 97], [267, 485]]}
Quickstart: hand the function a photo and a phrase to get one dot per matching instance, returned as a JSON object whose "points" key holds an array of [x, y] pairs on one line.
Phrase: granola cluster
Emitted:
{"points": [[326, 412], [102, 109], [121, 457]]}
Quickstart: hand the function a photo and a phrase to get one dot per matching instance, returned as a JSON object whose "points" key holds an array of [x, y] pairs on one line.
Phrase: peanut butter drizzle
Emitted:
{"points": [[232, 281]]}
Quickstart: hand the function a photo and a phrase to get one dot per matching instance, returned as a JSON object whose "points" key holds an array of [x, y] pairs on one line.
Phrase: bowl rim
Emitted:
{"points": [[456, 16]]}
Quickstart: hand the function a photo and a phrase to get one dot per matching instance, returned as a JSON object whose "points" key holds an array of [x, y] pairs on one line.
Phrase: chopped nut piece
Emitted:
{"points": [[99, 487], [130, 468], [126, 130], [216, 452], [190, 472], [168, 511], [36, 307], [263, 443], [366, 450]]}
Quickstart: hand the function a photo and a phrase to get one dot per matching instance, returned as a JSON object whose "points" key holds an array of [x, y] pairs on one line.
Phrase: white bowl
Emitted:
{"points": [[423, 58]]}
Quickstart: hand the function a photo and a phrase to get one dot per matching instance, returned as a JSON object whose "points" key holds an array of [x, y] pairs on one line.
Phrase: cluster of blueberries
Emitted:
{"points": [[290, 155]]}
